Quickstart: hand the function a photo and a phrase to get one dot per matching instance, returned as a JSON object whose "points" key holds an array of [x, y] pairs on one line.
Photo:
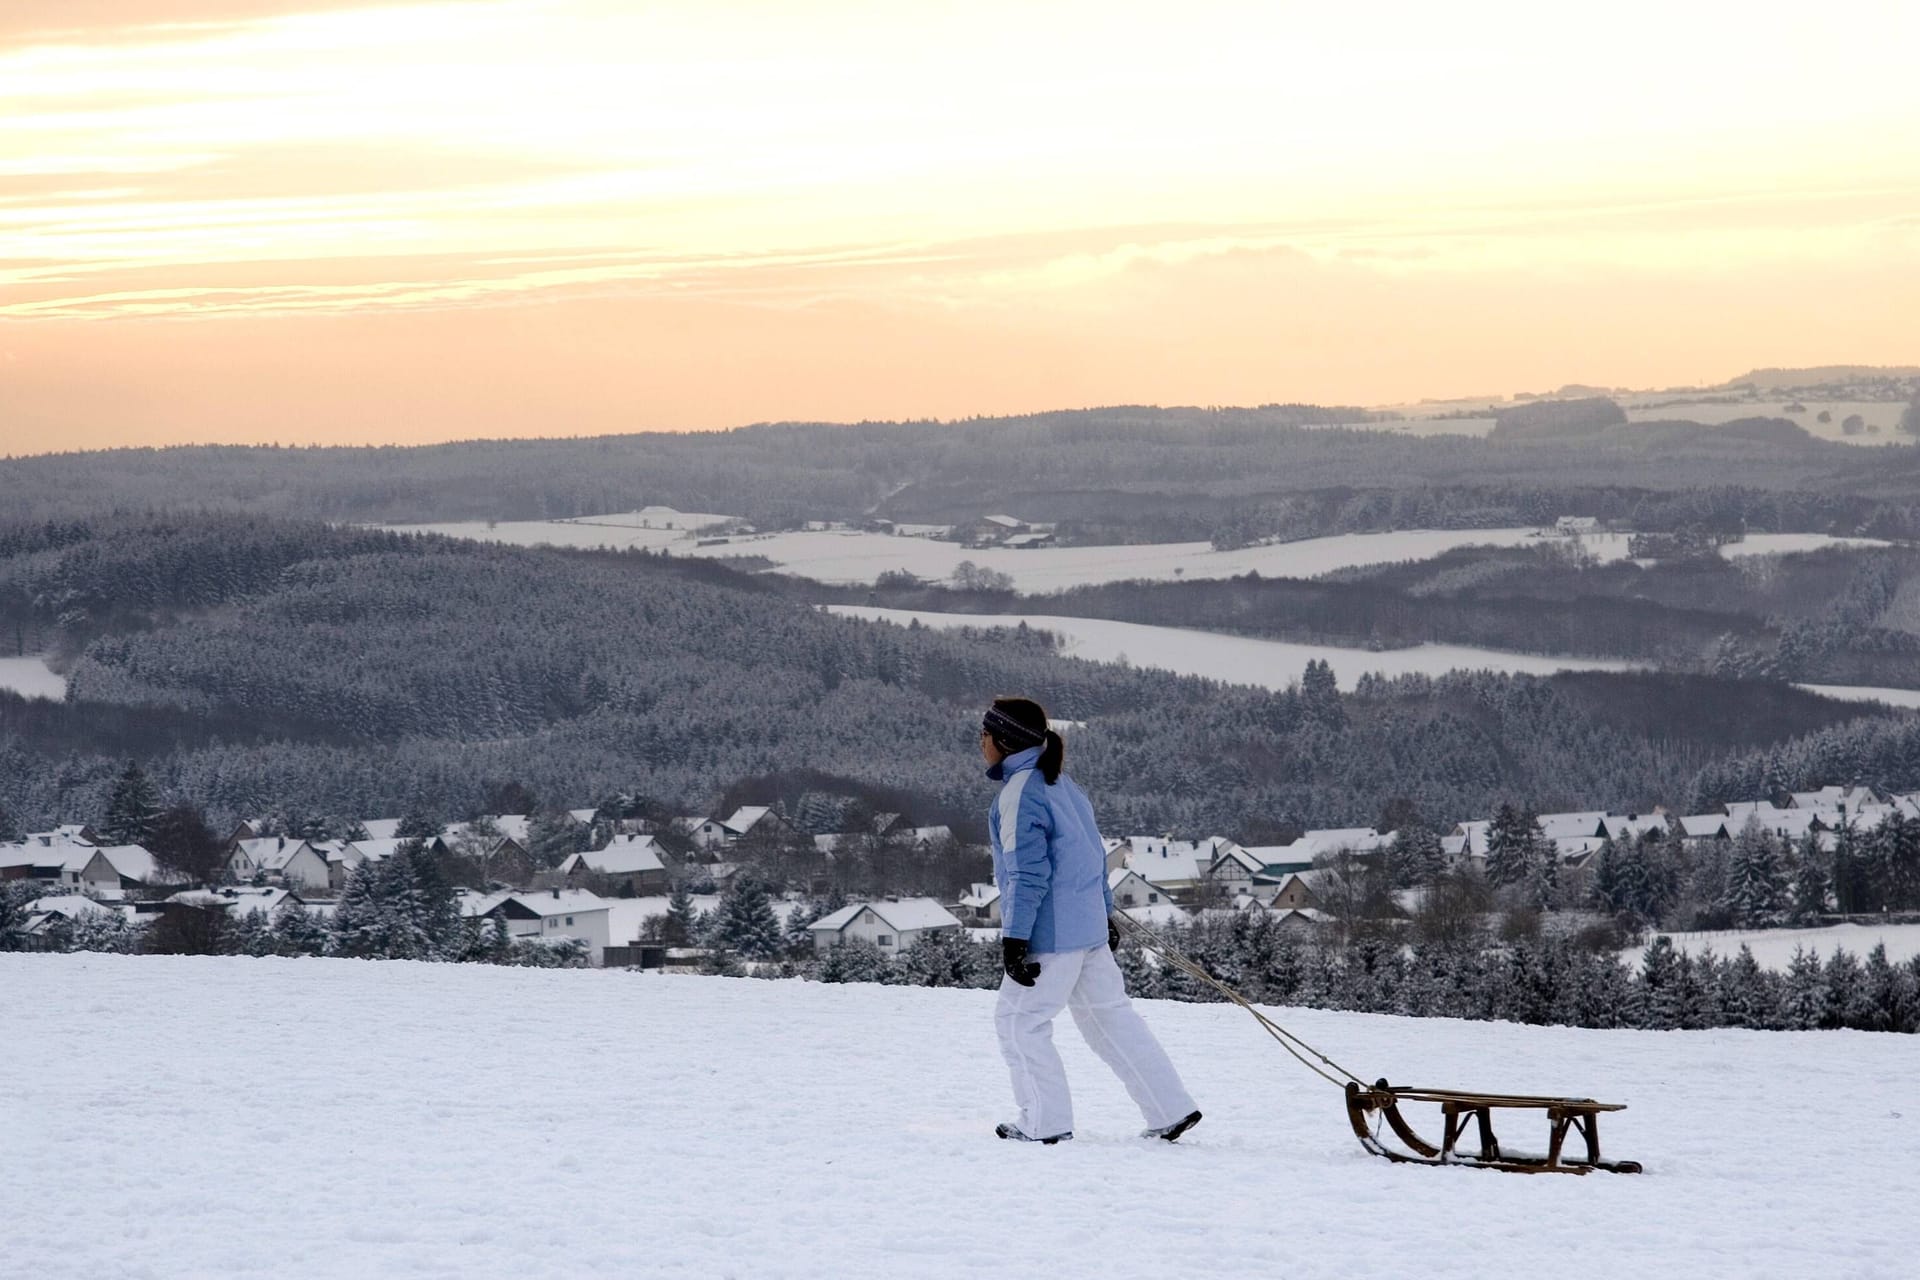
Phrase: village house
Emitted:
{"points": [[991, 530], [557, 914], [630, 860], [1297, 892], [300, 863], [892, 926], [980, 906]]}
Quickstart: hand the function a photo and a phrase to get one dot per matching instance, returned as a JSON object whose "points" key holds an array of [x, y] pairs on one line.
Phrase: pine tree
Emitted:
{"points": [[1804, 1003], [1320, 695], [798, 932], [1810, 883], [855, 960], [249, 935], [552, 836], [1745, 1000], [1509, 847], [681, 924], [133, 806], [745, 923], [947, 958], [1660, 982], [298, 932], [1416, 857], [1755, 889], [9, 828]]}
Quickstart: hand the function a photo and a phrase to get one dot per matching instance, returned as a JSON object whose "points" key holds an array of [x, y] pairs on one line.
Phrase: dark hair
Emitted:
{"points": [[1030, 715]]}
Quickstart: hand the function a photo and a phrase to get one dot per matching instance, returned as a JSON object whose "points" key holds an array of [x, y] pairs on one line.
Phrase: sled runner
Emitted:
{"points": [[1578, 1116]]}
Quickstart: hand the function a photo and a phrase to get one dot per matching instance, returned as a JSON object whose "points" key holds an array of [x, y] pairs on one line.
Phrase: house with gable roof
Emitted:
{"points": [[892, 926]]}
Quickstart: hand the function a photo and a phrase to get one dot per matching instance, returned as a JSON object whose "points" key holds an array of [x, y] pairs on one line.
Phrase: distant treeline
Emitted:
{"points": [[1116, 474]]}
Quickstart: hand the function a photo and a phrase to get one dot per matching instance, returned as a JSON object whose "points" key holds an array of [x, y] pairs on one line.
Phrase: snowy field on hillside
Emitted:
{"points": [[1779, 544], [1275, 664], [1272, 664], [32, 678], [851, 557], [338, 1118], [1774, 948]]}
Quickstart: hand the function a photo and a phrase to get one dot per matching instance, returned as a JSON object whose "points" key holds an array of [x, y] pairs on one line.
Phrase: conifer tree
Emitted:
{"points": [[1660, 982], [1416, 856], [745, 923], [681, 924], [9, 828], [1804, 1000], [1810, 883], [855, 960], [133, 806], [298, 932], [1755, 890]]}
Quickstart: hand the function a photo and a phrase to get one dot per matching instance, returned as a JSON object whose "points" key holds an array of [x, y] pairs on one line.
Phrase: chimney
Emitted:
{"points": [[282, 844], [556, 893]]}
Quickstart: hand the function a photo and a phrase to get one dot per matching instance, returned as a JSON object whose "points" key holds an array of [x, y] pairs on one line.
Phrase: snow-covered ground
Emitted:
{"points": [[1777, 544], [1774, 948], [1272, 664], [32, 677], [1275, 664], [856, 557], [1866, 693], [323, 1118]]}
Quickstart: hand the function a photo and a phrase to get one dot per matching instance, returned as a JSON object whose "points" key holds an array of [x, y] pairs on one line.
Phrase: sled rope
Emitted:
{"points": [[1293, 1044]]}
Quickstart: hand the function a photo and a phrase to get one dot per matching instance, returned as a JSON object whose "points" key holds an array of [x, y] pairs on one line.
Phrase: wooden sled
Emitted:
{"points": [[1564, 1115]]}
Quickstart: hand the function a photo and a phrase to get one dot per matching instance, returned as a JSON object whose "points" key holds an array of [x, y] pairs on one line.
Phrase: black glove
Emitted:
{"points": [[1113, 935], [1013, 958]]}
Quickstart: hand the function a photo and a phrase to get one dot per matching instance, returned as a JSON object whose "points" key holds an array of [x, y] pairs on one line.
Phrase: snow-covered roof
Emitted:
{"points": [[1739, 811], [624, 855], [582, 816], [1703, 824], [904, 916], [382, 828], [1572, 826], [265, 901], [745, 817], [511, 826], [1158, 915], [1005, 522], [130, 861], [1634, 826], [985, 895], [556, 902], [1337, 840], [366, 850], [68, 905], [1234, 853], [1166, 868], [1311, 914]]}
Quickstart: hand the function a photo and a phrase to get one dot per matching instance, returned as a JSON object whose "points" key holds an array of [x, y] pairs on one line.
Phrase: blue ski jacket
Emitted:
{"points": [[1047, 859]]}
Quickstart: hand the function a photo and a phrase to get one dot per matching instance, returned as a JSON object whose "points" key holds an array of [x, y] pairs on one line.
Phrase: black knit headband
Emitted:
{"points": [[1010, 731]]}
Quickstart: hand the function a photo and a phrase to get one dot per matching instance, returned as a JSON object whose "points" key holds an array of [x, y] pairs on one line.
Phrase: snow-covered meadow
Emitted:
{"points": [[1774, 948], [1275, 664], [229, 1116], [32, 677], [855, 557], [1272, 664]]}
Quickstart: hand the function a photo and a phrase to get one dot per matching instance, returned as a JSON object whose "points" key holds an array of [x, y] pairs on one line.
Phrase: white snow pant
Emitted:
{"points": [[1089, 983]]}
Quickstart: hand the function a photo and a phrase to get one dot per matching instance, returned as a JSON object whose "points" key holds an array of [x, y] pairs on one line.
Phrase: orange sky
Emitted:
{"points": [[294, 220]]}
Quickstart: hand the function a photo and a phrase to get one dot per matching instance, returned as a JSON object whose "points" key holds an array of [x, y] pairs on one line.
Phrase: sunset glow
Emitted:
{"points": [[239, 220]]}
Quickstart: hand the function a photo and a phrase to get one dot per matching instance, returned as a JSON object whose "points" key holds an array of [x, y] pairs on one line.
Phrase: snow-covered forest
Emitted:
{"points": [[257, 665]]}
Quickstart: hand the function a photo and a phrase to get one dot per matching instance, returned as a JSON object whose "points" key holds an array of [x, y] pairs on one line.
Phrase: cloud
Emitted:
{"points": [[42, 21]]}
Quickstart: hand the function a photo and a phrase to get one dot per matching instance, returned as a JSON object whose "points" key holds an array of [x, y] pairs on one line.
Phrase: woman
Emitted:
{"points": [[1057, 938]]}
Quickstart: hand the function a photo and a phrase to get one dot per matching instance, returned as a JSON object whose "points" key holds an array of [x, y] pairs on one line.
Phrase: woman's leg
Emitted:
{"points": [[1117, 1033], [1024, 1018]]}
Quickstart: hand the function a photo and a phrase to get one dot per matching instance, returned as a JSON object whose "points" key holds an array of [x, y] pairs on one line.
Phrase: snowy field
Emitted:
{"points": [[1779, 544], [1275, 664], [852, 557], [1272, 664], [1774, 948], [32, 677], [323, 1118]]}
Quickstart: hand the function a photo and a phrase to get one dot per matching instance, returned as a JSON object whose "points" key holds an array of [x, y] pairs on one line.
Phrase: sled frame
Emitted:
{"points": [[1565, 1116]]}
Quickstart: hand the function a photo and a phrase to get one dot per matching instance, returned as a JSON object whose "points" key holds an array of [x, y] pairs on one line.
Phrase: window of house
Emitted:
{"points": [[1153, 897], [569, 919], [885, 940], [1127, 898]]}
